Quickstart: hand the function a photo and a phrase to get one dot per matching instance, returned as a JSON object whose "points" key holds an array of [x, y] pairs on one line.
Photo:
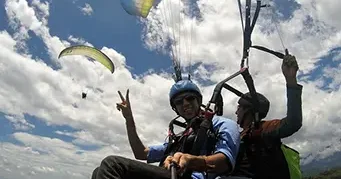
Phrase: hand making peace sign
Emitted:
{"points": [[124, 106]]}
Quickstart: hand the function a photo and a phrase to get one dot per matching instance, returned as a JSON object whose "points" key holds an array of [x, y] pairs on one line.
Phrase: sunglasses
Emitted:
{"points": [[180, 100]]}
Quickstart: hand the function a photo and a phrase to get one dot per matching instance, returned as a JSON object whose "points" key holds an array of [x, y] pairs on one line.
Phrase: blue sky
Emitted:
{"points": [[41, 125]]}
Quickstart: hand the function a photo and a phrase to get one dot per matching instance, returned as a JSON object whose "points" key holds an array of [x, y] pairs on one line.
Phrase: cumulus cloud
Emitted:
{"points": [[82, 138], [78, 40], [41, 157], [53, 95]]}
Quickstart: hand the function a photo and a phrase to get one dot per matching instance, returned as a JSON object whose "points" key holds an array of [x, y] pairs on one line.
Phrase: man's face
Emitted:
{"points": [[187, 105], [242, 118]]}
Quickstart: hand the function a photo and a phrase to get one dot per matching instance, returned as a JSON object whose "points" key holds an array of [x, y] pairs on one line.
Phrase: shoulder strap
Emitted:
{"points": [[213, 137]]}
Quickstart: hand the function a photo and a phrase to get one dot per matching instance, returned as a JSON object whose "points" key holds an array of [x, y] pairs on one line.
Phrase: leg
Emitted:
{"points": [[115, 167]]}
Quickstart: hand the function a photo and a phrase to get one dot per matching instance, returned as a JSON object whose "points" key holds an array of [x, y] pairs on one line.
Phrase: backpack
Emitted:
{"points": [[293, 160]]}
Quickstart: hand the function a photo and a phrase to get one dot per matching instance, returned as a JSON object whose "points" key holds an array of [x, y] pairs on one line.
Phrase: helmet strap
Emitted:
{"points": [[176, 111]]}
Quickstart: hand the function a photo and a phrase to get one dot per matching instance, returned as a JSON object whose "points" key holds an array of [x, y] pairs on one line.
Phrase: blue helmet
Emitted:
{"points": [[183, 86]]}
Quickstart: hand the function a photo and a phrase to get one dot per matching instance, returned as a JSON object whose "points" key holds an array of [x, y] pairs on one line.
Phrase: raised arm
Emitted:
{"points": [[293, 121], [139, 150]]}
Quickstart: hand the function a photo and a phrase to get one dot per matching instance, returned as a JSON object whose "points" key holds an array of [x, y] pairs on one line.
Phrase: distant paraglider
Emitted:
{"points": [[90, 52], [137, 7]]}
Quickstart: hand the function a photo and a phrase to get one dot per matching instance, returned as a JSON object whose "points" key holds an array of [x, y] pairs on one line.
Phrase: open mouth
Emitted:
{"points": [[188, 110]]}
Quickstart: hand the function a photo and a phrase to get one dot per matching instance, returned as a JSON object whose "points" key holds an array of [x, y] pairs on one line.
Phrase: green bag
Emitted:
{"points": [[293, 160]]}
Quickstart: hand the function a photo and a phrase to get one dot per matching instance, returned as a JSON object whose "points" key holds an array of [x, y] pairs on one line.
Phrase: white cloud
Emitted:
{"points": [[87, 9], [43, 157], [82, 138], [42, 9], [32, 87], [20, 14], [19, 123], [78, 41], [7, 41]]}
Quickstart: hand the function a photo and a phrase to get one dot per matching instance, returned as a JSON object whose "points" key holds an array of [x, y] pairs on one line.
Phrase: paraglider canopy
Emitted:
{"points": [[91, 52], [137, 7]]}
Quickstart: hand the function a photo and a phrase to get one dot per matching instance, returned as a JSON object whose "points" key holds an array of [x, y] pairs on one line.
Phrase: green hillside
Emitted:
{"points": [[329, 174]]}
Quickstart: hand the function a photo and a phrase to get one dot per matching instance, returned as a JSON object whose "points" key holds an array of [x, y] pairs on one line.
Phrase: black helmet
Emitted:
{"points": [[264, 104]]}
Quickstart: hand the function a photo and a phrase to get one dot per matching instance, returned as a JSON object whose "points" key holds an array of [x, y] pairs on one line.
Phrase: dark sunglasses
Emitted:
{"points": [[180, 100]]}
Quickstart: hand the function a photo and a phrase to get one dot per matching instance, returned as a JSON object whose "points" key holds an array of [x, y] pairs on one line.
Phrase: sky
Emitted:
{"points": [[49, 131]]}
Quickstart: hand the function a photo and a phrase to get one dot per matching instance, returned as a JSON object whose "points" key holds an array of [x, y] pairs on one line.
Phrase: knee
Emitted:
{"points": [[111, 160], [94, 173]]}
